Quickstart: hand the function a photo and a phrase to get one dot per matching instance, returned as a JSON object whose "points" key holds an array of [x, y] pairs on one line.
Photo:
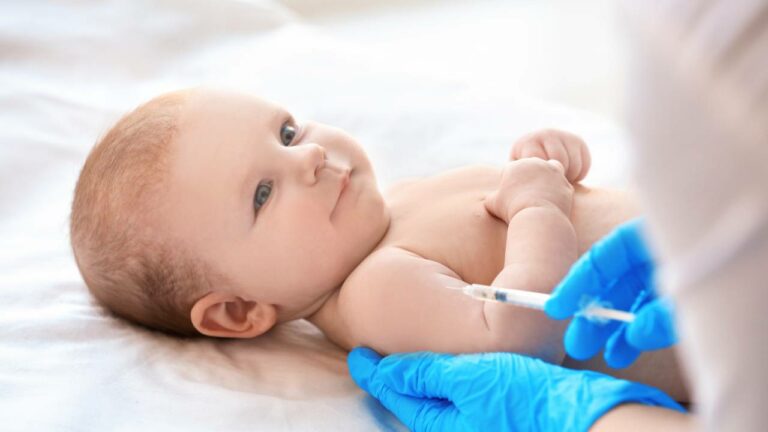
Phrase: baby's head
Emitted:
{"points": [[209, 212]]}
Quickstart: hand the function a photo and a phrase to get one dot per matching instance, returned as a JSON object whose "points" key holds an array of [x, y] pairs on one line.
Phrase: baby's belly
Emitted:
{"points": [[472, 242], [478, 255], [596, 212], [444, 219], [447, 221]]}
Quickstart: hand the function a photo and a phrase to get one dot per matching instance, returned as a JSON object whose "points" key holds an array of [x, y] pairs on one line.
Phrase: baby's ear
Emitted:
{"points": [[225, 315]]}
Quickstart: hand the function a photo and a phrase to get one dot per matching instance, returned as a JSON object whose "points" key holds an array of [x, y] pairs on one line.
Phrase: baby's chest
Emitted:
{"points": [[445, 220]]}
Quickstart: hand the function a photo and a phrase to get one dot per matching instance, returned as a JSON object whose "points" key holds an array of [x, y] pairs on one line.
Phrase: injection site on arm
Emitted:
{"points": [[541, 247]]}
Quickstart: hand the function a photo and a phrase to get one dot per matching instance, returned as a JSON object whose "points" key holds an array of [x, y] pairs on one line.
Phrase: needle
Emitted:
{"points": [[536, 300]]}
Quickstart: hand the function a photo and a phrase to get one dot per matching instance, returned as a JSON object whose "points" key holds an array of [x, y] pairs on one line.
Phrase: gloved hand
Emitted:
{"points": [[492, 391], [618, 273]]}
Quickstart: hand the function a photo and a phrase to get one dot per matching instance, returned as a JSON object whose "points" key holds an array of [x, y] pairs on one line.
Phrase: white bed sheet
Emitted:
{"points": [[69, 69]]}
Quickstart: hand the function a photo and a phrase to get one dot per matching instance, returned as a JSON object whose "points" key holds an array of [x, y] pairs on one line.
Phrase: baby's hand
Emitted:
{"points": [[564, 147], [530, 182]]}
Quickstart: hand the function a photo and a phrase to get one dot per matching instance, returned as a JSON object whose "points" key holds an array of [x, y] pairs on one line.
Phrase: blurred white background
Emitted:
{"points": [[567, 52]]}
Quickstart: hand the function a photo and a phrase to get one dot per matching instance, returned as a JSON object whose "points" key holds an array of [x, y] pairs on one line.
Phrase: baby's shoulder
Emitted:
{"points": [[378, 264], [387, 301], [392, 267]]}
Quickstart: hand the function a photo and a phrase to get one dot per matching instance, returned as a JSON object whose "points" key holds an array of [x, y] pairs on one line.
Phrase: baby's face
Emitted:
{"points": [[285, 210]]}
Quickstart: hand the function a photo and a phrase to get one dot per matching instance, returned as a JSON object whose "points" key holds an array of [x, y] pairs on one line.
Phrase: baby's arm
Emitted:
{"points": [[568, 149], [534, 199], [399, 301]]}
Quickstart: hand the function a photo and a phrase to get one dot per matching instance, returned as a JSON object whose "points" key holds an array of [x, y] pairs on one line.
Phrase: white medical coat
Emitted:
{"points": [[698, 114]]}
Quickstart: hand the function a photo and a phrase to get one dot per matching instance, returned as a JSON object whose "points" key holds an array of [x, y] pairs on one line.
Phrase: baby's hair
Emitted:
{"points": [[132, 269]]}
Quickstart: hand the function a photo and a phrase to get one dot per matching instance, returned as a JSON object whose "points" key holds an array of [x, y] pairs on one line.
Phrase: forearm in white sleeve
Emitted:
{"points": [[698, 112]]}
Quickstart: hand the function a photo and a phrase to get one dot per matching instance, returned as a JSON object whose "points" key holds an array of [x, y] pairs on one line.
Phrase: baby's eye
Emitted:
{"points": [[263, 190], [287, 133]]}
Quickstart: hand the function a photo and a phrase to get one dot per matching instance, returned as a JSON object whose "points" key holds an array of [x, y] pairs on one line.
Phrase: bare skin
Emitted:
{"points": [[471, 244], [634, 417], [291, 214]]}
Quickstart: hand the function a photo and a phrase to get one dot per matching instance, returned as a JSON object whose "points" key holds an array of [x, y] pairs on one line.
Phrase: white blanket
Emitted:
{"points": [[68, 70]]}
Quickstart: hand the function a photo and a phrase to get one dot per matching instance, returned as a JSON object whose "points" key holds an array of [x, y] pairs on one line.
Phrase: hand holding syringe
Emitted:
{"points": [[536, 300]]}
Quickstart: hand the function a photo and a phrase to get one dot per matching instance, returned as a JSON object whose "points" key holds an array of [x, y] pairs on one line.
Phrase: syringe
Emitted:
{"points": [[536, 300]]}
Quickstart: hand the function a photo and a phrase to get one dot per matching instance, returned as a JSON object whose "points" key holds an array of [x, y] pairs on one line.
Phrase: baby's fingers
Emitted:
{"points": [[556, 150], [576, 167], [557, 164], [578, 152], [528, 148]]}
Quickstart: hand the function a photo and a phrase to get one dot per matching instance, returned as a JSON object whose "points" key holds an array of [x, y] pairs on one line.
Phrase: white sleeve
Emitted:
{"points": [[698, 114]]}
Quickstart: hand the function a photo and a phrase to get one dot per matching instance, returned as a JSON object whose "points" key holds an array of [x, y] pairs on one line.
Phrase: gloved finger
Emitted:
{"points": [[567, 297], [618, 352], [629, 249], [653, 327], [584, 284], [419, 414], [584, 338], [362, 363], [423, 374], [593, 274]]}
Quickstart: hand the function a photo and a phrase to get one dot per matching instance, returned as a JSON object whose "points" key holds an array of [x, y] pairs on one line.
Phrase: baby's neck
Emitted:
{"points": [[327, 319]]}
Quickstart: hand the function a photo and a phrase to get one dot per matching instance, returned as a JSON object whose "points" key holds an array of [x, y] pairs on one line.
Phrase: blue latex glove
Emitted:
{"points": [[492, 391], [618, 272]]}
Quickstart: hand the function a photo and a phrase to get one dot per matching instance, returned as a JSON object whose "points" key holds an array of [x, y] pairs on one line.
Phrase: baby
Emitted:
{"points": [[205, 212]]}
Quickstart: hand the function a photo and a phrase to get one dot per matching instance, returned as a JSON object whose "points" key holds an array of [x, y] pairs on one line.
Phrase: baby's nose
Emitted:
{"points": [[312, 160]]}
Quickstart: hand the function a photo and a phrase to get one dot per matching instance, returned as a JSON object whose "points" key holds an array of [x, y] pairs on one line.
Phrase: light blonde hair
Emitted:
{"points": [[129, 267]]}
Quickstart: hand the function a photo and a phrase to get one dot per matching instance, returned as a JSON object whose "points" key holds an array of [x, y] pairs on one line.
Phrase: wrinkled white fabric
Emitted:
{"points": [[698, 112], [68, 70]]}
